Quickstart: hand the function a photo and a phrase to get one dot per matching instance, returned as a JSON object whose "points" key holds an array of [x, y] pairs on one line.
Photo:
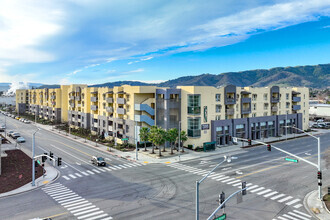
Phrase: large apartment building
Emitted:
{"points": [[209, 115]]}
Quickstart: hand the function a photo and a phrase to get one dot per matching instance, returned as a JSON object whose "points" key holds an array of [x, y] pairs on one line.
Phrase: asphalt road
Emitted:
{"points": [[128, 190]]}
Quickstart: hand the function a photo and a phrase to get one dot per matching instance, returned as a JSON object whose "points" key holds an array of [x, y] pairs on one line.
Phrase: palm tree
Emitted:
{"points": [[144, 136], [171, 136], [183, 138], [157, 137]]}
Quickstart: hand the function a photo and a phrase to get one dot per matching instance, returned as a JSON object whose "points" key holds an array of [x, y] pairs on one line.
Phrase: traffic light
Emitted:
{"points": [[59, 161], [44, 158], [51, 154], [319, 175], [244, 186], [249, 142], [222, 199], [269, 147]]}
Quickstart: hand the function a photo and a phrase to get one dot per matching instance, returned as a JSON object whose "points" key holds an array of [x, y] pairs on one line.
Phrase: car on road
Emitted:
{"points": [[99, 161], [20, 140], [2, 127], [26, 121], [17, 118], [15, 135], [10, 133]]}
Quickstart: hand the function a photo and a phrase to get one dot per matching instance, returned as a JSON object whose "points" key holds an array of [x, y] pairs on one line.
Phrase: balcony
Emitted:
{"points": [[194, 133], [246, 100], [71, 105], [53, 97], [230, 111], [296, 107], [194, 110], [109, 100], [274, 99], [246, 110], [144, 118], [121, 101], [94, 107], [296, 99], [71, 98], [121, 111], [94, 99], [230, 101], [120, 120], [110, 128], [78, 98], [274, 108], [144, 107], [79, 105], [109, 109]]}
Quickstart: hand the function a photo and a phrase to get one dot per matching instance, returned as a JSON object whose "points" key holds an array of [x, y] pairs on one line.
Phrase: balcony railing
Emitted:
{"points": [[275, 99], [230, 101], [94, 99], [94, 107], [144, 118], [144, 107], [121, 101], [274, 109], [71, 98], [194, 110], [230, 111], [296, 99], [109, 100], [296, 107], [109, 109], [121, 111], [246, 110]]}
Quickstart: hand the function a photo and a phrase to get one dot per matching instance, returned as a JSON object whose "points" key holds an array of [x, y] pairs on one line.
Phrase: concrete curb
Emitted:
{"points": [[306, 206], [12, 193]]}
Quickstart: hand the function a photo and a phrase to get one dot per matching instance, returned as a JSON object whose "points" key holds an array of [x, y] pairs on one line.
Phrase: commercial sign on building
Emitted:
{"points": [[205, 126]]}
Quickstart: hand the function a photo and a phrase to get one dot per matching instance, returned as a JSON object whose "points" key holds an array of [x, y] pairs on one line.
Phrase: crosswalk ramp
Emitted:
{"points": [[252, 188], [79, 207], [98, 170], [294, 215]]}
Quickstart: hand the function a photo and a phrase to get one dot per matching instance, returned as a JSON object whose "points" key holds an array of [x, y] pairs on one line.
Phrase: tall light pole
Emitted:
{"points": [[318, 158], [226, 158], [136, 145], [33, 154]]}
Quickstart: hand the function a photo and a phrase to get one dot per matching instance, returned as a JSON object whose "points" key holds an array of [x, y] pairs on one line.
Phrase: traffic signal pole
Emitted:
{"points": [[33, 153]]}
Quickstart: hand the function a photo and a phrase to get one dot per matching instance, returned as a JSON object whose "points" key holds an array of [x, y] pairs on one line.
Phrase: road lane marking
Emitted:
{"points": [[72, 176], [293, 201], [235, 181], [217, 176], [117, 167], [281, 218], [79, 206], [75, 198], [102, 169], [299, 216], [252, 187], [270, 194], [301, 213], [77, 203], [230, 179], [64, 195], [237, 184], [77, 174], [285, 199], [263, 192], [82, 209], [107, 169], [222, 178], [87, 211], [96, 171], [278, 196], [67, 203], [67, 197], [90, 172], [91, 214], [86, 174], [54, 191], [57, 215], [99, 216], [287, 216], [256, 190]]}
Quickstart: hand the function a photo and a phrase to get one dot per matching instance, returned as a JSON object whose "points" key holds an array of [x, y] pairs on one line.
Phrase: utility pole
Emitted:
{"points": [[33, 154], [136, 145]]}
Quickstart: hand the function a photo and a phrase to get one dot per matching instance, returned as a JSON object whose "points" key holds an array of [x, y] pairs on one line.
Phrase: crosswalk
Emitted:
{"points": [[98, 170], [79, 207], [294, 215], [252, 188]]}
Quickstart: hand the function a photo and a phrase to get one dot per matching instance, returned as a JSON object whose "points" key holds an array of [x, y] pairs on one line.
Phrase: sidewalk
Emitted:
{"points": [[316, 207], [188, 155]]}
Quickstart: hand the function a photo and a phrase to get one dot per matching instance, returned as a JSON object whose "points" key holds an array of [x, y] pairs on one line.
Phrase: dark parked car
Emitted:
{"points": [[99, 161]]}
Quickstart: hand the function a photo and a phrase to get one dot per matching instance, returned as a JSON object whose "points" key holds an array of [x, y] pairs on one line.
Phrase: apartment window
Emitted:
{"points": [[103, 123], [82, 95], [265, 106], [287, 96], [83, 103], [194, 127], [217, 97], [304, 96], [304, 120], [82, 118], [265, 96], [217, 108], [287, 105], [287, 112], [254, 107], [304, 104], [304, 112], [103, 96], [127, 128], [194, 104], [237, 97], [236, 107], [265, 113], [254, 115], [217, 117]]}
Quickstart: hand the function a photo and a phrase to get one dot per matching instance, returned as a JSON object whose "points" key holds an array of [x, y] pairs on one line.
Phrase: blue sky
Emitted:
{"points": [[85, 41]]}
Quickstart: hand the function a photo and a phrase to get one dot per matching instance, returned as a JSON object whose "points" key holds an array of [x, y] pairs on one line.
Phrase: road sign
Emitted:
{"points": [[124, 139], [291, 160], [222, 217]]}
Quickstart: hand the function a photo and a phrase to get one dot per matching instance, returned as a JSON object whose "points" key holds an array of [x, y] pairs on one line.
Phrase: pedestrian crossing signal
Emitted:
{"points": [[269, 147], [59, 161]]}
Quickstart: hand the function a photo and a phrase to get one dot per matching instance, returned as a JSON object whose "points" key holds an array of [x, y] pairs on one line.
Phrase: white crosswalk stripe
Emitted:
{"points": [[77, 174], [65, 177], [301, 213], [90, 172], [111, 167], [252, 187], [237, 184], [263, 192], [258, 189], [106, 168], [117, 167], [298, 216], [96, 171], [86, 174], [298, 206], [235, 181], [122, 166], [293, 201], [230, 179], [72, 176], [102, 169], [290, 217], [281, 218], [285, 199], [75, 204], [222, 178], [270, 194], [277, 196]]}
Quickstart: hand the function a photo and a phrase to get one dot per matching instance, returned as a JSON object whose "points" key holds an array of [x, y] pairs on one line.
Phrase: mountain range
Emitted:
{"points": [[313, 76]]}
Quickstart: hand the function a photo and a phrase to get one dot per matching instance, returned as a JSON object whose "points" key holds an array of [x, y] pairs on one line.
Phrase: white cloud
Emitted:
{"points": [[135, 71], [74, 72], [327, 26]]}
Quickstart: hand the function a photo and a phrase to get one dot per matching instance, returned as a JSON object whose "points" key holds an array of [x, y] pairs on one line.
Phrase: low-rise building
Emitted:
{"points": [[209, 115]]}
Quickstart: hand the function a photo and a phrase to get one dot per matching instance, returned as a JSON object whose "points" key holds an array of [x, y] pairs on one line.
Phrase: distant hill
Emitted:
{"points": [[316, 76], [55, 86]]}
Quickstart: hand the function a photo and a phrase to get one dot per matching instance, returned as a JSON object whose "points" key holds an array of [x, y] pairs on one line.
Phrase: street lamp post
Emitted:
{"points": [[318, 158], [228, 159], [136, 145], [33, 154]]}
